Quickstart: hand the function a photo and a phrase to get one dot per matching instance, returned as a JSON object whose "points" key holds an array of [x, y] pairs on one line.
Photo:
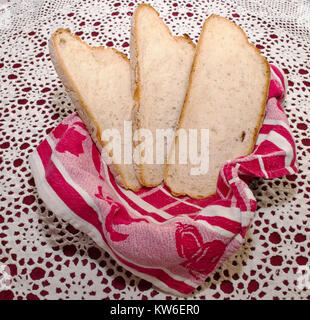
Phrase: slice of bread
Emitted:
{"points": [[161, 65], [227, 95], [98, 82]]}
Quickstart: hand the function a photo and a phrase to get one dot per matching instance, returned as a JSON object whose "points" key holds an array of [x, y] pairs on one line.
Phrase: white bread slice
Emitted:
{"points": [[98, 82], [161, 65], [227, 95]]}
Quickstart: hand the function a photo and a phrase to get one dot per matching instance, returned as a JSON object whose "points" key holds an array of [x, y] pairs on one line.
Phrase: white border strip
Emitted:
{"points": [[262, 166]]}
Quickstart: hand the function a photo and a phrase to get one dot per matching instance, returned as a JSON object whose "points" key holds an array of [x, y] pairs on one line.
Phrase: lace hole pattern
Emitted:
{"points": [[49, 259]]}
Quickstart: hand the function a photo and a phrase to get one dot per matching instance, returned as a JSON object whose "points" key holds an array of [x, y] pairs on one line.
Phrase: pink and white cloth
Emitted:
{"points": [[175, 243]]}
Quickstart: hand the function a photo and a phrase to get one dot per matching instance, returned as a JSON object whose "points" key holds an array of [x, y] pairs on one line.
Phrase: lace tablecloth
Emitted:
{"points": [[42, 257]]}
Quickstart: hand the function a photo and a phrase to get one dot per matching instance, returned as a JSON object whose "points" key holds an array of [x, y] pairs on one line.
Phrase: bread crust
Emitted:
{"points": [[81, 107], [136, 79], [263, 107]]}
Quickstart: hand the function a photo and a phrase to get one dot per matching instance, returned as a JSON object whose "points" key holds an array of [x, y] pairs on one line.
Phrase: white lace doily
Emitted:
{"points": [[46, 258]]}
